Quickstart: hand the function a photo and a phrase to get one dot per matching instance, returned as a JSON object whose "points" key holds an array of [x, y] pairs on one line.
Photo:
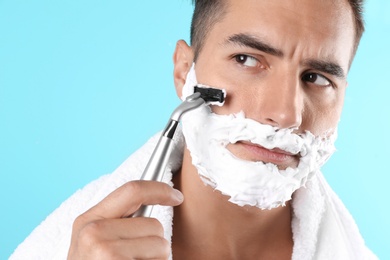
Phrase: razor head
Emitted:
{"points": [[211, 94]]}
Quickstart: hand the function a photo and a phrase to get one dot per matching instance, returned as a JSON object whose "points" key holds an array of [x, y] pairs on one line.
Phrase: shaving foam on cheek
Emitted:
{"points": [[246, 182], [191, 81]]}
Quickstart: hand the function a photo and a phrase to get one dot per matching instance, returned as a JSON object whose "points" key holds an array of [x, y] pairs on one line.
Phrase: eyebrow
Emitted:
{"points": [[247, 40], [328, 67], [250, 41]]}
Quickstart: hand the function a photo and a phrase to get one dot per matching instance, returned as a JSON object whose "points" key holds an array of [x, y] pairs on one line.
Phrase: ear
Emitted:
{"points": [[182, 60]]}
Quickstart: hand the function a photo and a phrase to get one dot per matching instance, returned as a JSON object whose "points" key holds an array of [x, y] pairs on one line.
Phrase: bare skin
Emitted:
{"points": [[298, 82]]}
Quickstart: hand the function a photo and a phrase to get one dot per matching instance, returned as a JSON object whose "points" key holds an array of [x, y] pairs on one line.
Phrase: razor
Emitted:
{"points": [[154, 170]]}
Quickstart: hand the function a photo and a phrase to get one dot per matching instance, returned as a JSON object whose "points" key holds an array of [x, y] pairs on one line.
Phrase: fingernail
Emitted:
{"points": [[177, 195]]}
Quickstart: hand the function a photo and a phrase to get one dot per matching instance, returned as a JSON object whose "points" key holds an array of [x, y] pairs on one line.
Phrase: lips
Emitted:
{"points": [[276, 156]]}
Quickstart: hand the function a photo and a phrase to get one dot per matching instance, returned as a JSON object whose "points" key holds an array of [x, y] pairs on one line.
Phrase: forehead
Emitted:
{"points": [[311, 29]]}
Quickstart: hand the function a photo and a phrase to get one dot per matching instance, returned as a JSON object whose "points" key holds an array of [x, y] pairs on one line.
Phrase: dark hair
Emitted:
{"points": [[357, 10], [206, 14], [209, 12]]}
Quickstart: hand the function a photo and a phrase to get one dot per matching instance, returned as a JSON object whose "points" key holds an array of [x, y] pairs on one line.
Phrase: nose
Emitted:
{"points": [[281, 102]]}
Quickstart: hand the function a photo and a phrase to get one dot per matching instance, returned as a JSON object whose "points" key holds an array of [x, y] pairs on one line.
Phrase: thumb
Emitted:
{"points": [[125, 200]]}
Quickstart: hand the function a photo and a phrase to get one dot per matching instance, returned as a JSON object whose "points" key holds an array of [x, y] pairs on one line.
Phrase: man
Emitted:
{"points": [[284, 66]]}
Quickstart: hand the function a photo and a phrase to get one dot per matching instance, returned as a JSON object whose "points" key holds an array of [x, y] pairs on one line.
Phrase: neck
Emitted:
{"points": [[208, 226]]}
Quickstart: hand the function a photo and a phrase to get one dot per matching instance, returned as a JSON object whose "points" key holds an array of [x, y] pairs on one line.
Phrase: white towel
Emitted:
{"points": [[322, 226]]}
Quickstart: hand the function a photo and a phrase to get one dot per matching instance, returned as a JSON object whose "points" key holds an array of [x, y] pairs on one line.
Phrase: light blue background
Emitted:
{"points": [[85, 83]]}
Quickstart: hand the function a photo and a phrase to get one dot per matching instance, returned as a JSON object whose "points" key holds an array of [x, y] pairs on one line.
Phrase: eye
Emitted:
{"points": [[317, 79], [246, 60]]}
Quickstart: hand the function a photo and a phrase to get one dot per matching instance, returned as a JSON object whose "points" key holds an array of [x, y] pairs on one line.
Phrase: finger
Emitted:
{"points": [[128, 198], [122, 228], [138, 248]]}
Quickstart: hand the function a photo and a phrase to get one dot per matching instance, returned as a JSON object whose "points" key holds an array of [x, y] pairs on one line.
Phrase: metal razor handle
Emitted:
{"points": [[154, 170]]}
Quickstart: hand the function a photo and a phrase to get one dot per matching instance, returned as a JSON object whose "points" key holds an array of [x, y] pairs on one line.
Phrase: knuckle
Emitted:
{"points": [[104, 250], [157, 226], [163, 245], [89, 234], [133, 188], [79, 222]]}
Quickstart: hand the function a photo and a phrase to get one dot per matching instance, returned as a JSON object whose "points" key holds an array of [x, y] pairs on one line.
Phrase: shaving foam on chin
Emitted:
{"points": [[246, 182]]}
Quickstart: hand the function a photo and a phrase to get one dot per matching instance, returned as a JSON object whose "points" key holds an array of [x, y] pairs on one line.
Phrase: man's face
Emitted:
{"points": [[283, 63]]}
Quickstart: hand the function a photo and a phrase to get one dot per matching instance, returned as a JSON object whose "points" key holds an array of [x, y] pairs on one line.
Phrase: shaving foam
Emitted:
{"points": [[252, 183]]}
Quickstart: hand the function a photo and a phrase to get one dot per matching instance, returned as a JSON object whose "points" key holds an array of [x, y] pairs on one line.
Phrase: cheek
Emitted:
{"points": [[320, 117], [239, 96], [238, 99]]}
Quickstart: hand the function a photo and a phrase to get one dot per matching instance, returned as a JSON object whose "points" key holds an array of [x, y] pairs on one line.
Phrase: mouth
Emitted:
{"points": [[254, 152]]}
